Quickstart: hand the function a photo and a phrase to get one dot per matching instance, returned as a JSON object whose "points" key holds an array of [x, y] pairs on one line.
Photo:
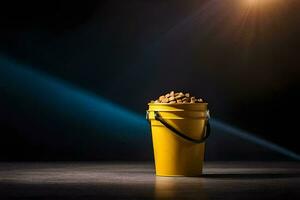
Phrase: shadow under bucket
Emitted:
{"points": [[178, 133]]}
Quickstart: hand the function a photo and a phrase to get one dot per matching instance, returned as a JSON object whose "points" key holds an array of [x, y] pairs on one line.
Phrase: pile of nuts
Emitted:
{"points": [[177, 97]]}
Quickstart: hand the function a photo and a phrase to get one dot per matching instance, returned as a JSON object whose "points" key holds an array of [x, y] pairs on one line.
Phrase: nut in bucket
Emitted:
{"points": [[178, 97]]}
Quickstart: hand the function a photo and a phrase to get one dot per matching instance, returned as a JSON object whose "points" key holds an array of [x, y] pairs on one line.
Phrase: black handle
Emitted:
{"points": [[174, 130]]}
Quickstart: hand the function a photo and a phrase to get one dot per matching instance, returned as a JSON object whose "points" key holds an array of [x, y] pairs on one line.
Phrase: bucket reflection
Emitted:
{"points": [[179, 188]]}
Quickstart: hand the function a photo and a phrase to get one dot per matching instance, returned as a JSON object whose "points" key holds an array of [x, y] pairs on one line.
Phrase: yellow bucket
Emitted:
{"points": [[178, 133]]}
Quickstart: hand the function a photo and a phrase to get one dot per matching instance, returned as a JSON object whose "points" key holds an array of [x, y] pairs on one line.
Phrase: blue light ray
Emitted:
{"points": [[216, 124], [75, 103], [63, 99]]}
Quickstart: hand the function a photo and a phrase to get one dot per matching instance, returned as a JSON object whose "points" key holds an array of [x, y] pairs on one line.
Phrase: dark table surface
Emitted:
{"points": [[85, 180]]}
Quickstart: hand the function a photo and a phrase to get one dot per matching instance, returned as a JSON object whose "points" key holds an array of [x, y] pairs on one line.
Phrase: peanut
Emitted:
{"points": [[177, 97]]}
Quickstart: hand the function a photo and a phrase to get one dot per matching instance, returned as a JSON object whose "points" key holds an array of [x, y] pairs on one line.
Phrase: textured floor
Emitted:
{"points": [[271, 180]]}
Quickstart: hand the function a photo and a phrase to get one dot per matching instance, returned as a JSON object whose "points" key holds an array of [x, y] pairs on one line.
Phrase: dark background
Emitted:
{"points": [[241, 56]]}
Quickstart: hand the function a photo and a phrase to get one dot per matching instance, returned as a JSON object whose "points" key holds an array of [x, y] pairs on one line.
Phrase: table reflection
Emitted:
{"points": [[179, 187]]}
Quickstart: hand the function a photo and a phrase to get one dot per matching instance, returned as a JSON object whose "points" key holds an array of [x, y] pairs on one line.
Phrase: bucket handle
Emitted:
{"points": [[178, 133]]}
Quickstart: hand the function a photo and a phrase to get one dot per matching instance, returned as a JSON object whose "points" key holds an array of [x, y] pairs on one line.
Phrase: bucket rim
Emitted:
{"points": [[175, 104]]}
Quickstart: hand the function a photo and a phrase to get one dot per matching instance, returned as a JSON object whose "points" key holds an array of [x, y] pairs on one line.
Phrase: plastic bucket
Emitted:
{"points": [[178, 134]]}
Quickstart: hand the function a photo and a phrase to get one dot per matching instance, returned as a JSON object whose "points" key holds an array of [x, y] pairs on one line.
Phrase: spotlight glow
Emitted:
{"points": [[259, 3], [251, 2]]}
